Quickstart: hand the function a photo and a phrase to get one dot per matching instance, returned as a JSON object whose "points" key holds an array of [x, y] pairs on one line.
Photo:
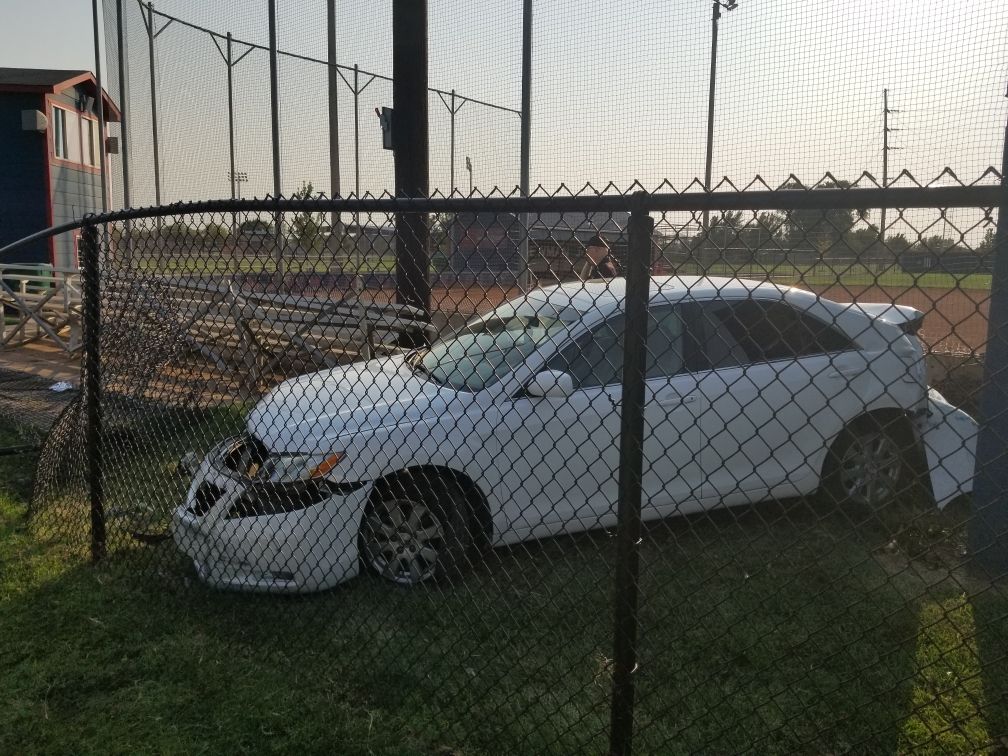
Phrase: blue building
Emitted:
{"points": [[49, 138]]}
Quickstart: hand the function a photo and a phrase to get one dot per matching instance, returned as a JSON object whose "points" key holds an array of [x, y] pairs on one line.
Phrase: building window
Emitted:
{"points": [[91, 148], [60, 133]]}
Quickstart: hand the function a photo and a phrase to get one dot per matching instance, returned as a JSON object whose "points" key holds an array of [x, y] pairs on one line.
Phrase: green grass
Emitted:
{"points": [[827, 273], [775, 629]]}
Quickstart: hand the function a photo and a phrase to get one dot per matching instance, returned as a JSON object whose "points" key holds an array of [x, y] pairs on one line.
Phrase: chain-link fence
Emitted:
{"points": [[623, 475]]}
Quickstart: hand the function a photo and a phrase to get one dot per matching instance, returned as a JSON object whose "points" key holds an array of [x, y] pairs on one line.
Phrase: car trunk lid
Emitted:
{"points": [[907, 319]]}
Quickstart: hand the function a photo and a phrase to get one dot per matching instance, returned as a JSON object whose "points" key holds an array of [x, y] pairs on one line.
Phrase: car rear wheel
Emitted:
{"points": [[416, 530], [867, 466]]}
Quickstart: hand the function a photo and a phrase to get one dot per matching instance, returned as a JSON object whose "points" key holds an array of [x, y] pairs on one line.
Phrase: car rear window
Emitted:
{"points": [[751, 330]]}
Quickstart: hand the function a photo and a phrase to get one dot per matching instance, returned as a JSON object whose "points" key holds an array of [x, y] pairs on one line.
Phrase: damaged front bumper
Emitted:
{"points": [[948, 436], [243, 534]]}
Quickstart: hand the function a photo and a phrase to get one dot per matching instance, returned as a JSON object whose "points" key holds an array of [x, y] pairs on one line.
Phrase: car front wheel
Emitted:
{"points": [[416, 530]]}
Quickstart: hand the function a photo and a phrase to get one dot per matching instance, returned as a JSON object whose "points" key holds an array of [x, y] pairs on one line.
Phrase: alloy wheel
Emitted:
{"points": [[402, 541], [870, 468]]}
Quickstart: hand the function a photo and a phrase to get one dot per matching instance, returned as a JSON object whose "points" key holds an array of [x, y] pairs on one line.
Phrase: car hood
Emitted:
{"points": [[305, 413]]}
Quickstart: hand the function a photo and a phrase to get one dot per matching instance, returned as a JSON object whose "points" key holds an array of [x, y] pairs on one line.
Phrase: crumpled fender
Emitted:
{"points": [[949, 437]]}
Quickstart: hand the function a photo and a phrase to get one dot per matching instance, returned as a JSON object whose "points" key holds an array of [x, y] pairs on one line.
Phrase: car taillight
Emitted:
{"points": [[919, 370], [913, 325]]}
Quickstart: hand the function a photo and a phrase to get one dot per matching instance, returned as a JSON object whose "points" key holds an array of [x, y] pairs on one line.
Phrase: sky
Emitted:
{"points": [[619, 89], [29, 38]]}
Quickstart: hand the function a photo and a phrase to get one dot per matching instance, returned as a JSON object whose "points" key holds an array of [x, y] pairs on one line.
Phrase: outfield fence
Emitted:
{"points": [[667, 508]]}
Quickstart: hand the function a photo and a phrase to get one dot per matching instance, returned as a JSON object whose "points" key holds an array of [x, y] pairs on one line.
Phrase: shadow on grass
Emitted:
{"points": [[990, 611]]}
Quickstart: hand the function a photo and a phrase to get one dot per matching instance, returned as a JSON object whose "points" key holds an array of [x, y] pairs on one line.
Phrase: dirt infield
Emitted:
{"points": [[955, 320]]}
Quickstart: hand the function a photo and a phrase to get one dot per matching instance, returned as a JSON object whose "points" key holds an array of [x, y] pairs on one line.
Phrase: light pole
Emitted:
{"points": [[238, 178], [716, 7], [469, 168]]}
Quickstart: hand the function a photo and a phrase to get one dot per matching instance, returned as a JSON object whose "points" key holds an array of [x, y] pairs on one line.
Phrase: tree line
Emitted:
{"points": [[835, 232]]}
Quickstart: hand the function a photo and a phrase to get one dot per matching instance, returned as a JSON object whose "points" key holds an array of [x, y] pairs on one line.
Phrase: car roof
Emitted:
{"points": [[608, 294]]}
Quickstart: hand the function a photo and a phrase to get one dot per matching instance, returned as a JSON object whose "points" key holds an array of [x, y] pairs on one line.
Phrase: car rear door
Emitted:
{"points": [[776, 381], [672, 476]]}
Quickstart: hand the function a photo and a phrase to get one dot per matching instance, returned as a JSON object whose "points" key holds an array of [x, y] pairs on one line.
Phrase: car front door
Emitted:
{"points": [[563, 452], [768, 372], [557, 455]]}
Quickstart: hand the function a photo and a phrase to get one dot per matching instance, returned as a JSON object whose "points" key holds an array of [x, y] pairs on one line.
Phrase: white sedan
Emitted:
{"points": [[509, 430]]}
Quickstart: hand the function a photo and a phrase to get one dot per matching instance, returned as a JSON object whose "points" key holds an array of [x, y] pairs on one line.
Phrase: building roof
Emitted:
{"points": [[51, 81], [555, 225], [579, 225], [38, 77]]}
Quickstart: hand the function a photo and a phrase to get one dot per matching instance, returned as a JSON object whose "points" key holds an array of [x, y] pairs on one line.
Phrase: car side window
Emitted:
{"points": [[748, 331], [596, 359], [665, 343]]}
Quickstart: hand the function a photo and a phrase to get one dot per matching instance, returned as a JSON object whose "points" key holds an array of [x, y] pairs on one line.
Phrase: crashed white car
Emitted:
{"points": [[509, 430]]}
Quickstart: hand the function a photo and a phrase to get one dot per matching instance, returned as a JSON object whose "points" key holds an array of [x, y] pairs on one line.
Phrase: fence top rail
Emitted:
{"points": [[939, 197], [783, 199]]}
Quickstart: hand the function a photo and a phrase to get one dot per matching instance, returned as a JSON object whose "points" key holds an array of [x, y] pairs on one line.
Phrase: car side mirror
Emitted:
{"points": [[555, 383]]}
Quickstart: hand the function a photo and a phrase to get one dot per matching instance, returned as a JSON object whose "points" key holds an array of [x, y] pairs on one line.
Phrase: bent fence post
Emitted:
{"points": [[91, 295], [631, 463], [988, 530]]}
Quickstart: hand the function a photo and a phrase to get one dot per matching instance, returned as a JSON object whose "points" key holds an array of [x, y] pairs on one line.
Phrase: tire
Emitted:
{"points": [[868, 465], [417, 528]]}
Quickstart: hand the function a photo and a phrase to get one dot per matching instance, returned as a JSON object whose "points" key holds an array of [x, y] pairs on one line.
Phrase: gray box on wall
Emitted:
{"points": [[34, 120]]}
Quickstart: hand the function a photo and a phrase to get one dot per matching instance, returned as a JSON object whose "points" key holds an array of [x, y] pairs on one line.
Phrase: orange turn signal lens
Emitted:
{"points": [[326, 465]]}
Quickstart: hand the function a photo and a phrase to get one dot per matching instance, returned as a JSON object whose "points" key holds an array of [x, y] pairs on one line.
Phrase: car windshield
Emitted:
{"points": [[483, 352]]}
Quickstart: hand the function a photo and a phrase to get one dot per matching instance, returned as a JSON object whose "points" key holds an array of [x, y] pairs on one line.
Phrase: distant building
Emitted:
{"points": [[52, 151], [487, 245]]}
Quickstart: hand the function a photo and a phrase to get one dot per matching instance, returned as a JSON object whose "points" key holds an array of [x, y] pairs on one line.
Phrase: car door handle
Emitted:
{"points": [[674, 400], [847, 373]]}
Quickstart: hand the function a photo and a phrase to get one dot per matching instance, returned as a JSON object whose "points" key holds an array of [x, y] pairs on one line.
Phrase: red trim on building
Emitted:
{"points": [[51, 147], [111, 111], [74, 81], [46, 147]]}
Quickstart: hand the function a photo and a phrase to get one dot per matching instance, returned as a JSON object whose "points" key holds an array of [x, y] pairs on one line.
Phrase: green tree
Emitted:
{"points": [[765, 233], [724, 229], [986, 247], [821, 229], [940, 246], [898, 244], [306, 227]]}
